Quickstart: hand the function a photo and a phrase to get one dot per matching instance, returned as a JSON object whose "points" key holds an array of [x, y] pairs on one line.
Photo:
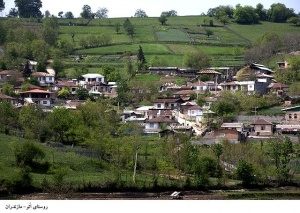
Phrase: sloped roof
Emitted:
{"points": [[93, 75], [36, 91], [262, 122], [2, 96], [199, 83], [293, 109], [209, 72], [195, 107], [168, 100], [42, 74], [160, 119], [277, 86], [184, 92]]}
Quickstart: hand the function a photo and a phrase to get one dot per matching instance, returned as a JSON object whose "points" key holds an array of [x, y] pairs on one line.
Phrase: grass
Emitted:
{"points": [[173, 35]]}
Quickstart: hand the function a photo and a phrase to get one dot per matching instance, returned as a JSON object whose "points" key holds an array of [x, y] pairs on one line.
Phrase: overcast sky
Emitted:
{"points": [[153, 8]]}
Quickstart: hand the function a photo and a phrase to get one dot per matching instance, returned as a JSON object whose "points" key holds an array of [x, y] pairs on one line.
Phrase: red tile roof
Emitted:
{"points": [[262, 122], [36, 91], [2, 96], [160, 119]]}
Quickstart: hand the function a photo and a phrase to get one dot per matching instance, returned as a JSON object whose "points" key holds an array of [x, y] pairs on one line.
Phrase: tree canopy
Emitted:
{"points": [[2, 5], [29, 8], [140, 13], [87, 12], [101, 13]]}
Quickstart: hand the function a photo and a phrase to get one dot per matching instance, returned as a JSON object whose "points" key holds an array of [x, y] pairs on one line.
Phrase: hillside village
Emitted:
{"points": [[176, 111]]}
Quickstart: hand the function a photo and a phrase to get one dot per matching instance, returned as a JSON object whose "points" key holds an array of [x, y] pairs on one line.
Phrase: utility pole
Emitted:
{"points": [[135, 164]]}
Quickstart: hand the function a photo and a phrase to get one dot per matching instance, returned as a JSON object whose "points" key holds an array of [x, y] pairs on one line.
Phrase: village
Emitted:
{"points": [[176, 110]]}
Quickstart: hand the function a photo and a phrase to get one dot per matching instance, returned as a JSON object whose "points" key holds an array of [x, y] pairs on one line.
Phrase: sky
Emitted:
{"points": [[153, 8]]}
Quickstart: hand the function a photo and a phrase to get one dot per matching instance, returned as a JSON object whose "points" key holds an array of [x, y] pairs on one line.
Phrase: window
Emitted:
{"points": [[262, 127], [45, 102], [151, 125], [222, 134], [50, 78], [158, 105], [295, 116], [290, 116]]}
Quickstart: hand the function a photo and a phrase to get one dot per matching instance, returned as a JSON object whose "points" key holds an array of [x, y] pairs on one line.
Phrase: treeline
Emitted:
{"points": [[249, 15]]}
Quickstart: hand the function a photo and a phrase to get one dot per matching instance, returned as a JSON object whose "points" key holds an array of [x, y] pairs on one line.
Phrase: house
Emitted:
{"points": [[259, 68], [292, 115], [37, 96], [91, 78], [18, 89], [184, 94], [278, 88], [11, 76], [231, 86], [236, 126], [168, 103], [214, 75], [156, 125], [208, 102], [8, 99], [153, 113], [288, 128], [199, 86], [163, 70], [62, 84], [44, 78], [283, 65], [174, 131], [262, 128], [232, 135], [262, 82], [195, 113]]}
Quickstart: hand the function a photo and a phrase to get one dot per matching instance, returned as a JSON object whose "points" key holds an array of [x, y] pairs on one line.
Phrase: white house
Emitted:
{"points": [[195, 113], [44, 77], [155, 125], [91, 78]]}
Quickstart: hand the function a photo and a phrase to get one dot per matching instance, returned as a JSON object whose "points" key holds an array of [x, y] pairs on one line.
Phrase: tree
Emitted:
{"points": [[128, 27], [64, 93], [102, 13], [162, 19], [140, 13], [141, 58], [117, 27], [49, 31], [2, 5], [28, 153], [170, 13], [9, 116], [60, 14], [246, 15], [280, 13], [29, 8], [47, 14], [196, 60], [3, 31], [262, 13], [294, 20], [82, 93], [209, 32], [245, 172], [13, 12], [69, 15], [87, 12]]}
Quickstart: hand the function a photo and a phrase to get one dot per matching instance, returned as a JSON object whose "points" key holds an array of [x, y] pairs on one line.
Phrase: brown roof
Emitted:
{"points": [[36, 91], [10, 72], [184, 92], [262, 122], [196, 107], [168, 100], [66, 84], [199, 83], [232, 83], [30, 86], [278, 86], [42, 74], [160, 119], [2, 96], [159, 111]]}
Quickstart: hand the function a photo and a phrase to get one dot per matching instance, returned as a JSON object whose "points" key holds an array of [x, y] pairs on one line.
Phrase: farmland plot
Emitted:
{"points": [[173, 35]]}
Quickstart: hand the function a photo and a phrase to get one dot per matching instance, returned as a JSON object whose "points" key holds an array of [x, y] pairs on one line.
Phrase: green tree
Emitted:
{"points": [[246, 15], [279, 13], [29, 8], [9, 116], [8, 89], [117, 27], [262, 13], [69, 15], [128, 27], [49, 31], [82, 93], [162, 19], [101, 13], [13, 12], [64, 93], [28, 154], [294, 20], [2, 5], [87, 12], [196, 60], [3, 31], [245, 172], [141, 58], [171, 13], [140, 13], [209, 32]]}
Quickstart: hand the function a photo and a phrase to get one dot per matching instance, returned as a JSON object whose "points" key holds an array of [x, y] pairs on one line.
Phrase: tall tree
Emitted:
{"points": [[69, 15], [162, 19], [140, 13], [29, 8], [87, 12], [141, 58], [128, 27], [197, 60], [13, 12], [2, 5], [102, 13], [280, 13], [47, 14]]}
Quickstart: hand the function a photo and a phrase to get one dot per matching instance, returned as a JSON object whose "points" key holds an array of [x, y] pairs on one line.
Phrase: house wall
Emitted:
{"points": [[263, 129], [292, 117], [230, 134]]}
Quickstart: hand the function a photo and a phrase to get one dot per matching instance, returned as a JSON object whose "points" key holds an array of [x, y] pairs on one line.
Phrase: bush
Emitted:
{"points": [[28, 154], [21, 184]]}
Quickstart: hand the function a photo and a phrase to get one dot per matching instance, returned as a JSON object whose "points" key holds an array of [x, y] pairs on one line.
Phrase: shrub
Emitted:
{"points": [[28, 154]]}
